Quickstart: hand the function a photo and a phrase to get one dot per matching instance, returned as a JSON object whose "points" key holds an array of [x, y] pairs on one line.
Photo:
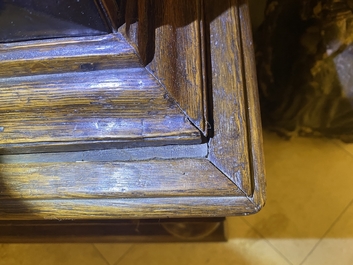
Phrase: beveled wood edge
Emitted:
{"points": [[160, 205], [4, 47], [130, 36], [151, 178], [257, 195], [180, 205], [229, 144], [204, 126], [203, 52], [75, 54], [139, 208], [254, 117]]}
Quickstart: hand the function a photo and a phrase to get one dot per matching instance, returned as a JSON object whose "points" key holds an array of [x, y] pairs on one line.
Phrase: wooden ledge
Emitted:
{"points": [[66, 55], [111, 105]]}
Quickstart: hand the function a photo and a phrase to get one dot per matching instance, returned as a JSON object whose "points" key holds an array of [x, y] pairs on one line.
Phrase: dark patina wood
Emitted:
{"points": [[169, 38], [99, 180], [229, 144], [183, 76]]}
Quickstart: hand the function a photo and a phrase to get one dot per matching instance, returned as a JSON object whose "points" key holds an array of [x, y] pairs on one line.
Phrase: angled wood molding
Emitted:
{"points": [[206, 67], [226, 88]]}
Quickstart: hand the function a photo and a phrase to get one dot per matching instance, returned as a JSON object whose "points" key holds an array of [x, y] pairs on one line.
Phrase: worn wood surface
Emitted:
{"points": [[168, 36], [103, 180], [254, 128], [187, 47], [121, 208], [229, 144], [66, 55], [116, 105]]}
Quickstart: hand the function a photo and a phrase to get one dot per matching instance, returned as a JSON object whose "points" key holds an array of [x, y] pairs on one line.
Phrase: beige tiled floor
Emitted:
{"points": [[308, 219]]}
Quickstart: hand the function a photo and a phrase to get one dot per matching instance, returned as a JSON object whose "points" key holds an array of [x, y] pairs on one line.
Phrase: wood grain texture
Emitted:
{"points": [[103, 180], [168, 39], [66, 55], [229, 144], [110, 105], [122, 104], [137, 208], [257, 168]]}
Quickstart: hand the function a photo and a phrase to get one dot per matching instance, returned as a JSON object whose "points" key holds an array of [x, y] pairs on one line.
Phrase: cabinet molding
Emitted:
{"points": [[184, 77]]}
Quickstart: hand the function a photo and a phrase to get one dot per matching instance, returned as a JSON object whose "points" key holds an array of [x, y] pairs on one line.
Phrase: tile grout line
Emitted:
{"points": [[328, 230], [267, 241], [100, 253], [124, 255], [344, 149]]}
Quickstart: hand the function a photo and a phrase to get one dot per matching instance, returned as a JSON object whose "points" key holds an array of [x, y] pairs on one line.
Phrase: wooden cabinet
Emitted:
{"points": [[157, 119]]}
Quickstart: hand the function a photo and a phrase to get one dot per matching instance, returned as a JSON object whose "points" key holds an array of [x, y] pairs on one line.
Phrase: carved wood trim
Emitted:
{"points": [[168, 38], [229, 180]]}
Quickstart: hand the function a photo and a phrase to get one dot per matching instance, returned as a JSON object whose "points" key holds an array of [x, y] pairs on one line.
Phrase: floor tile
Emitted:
{"points": [[337, 246], [113, 252], [309, 184], [244, 247], [54, 254], [332, 251], [348, 147], [343, 228]]}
